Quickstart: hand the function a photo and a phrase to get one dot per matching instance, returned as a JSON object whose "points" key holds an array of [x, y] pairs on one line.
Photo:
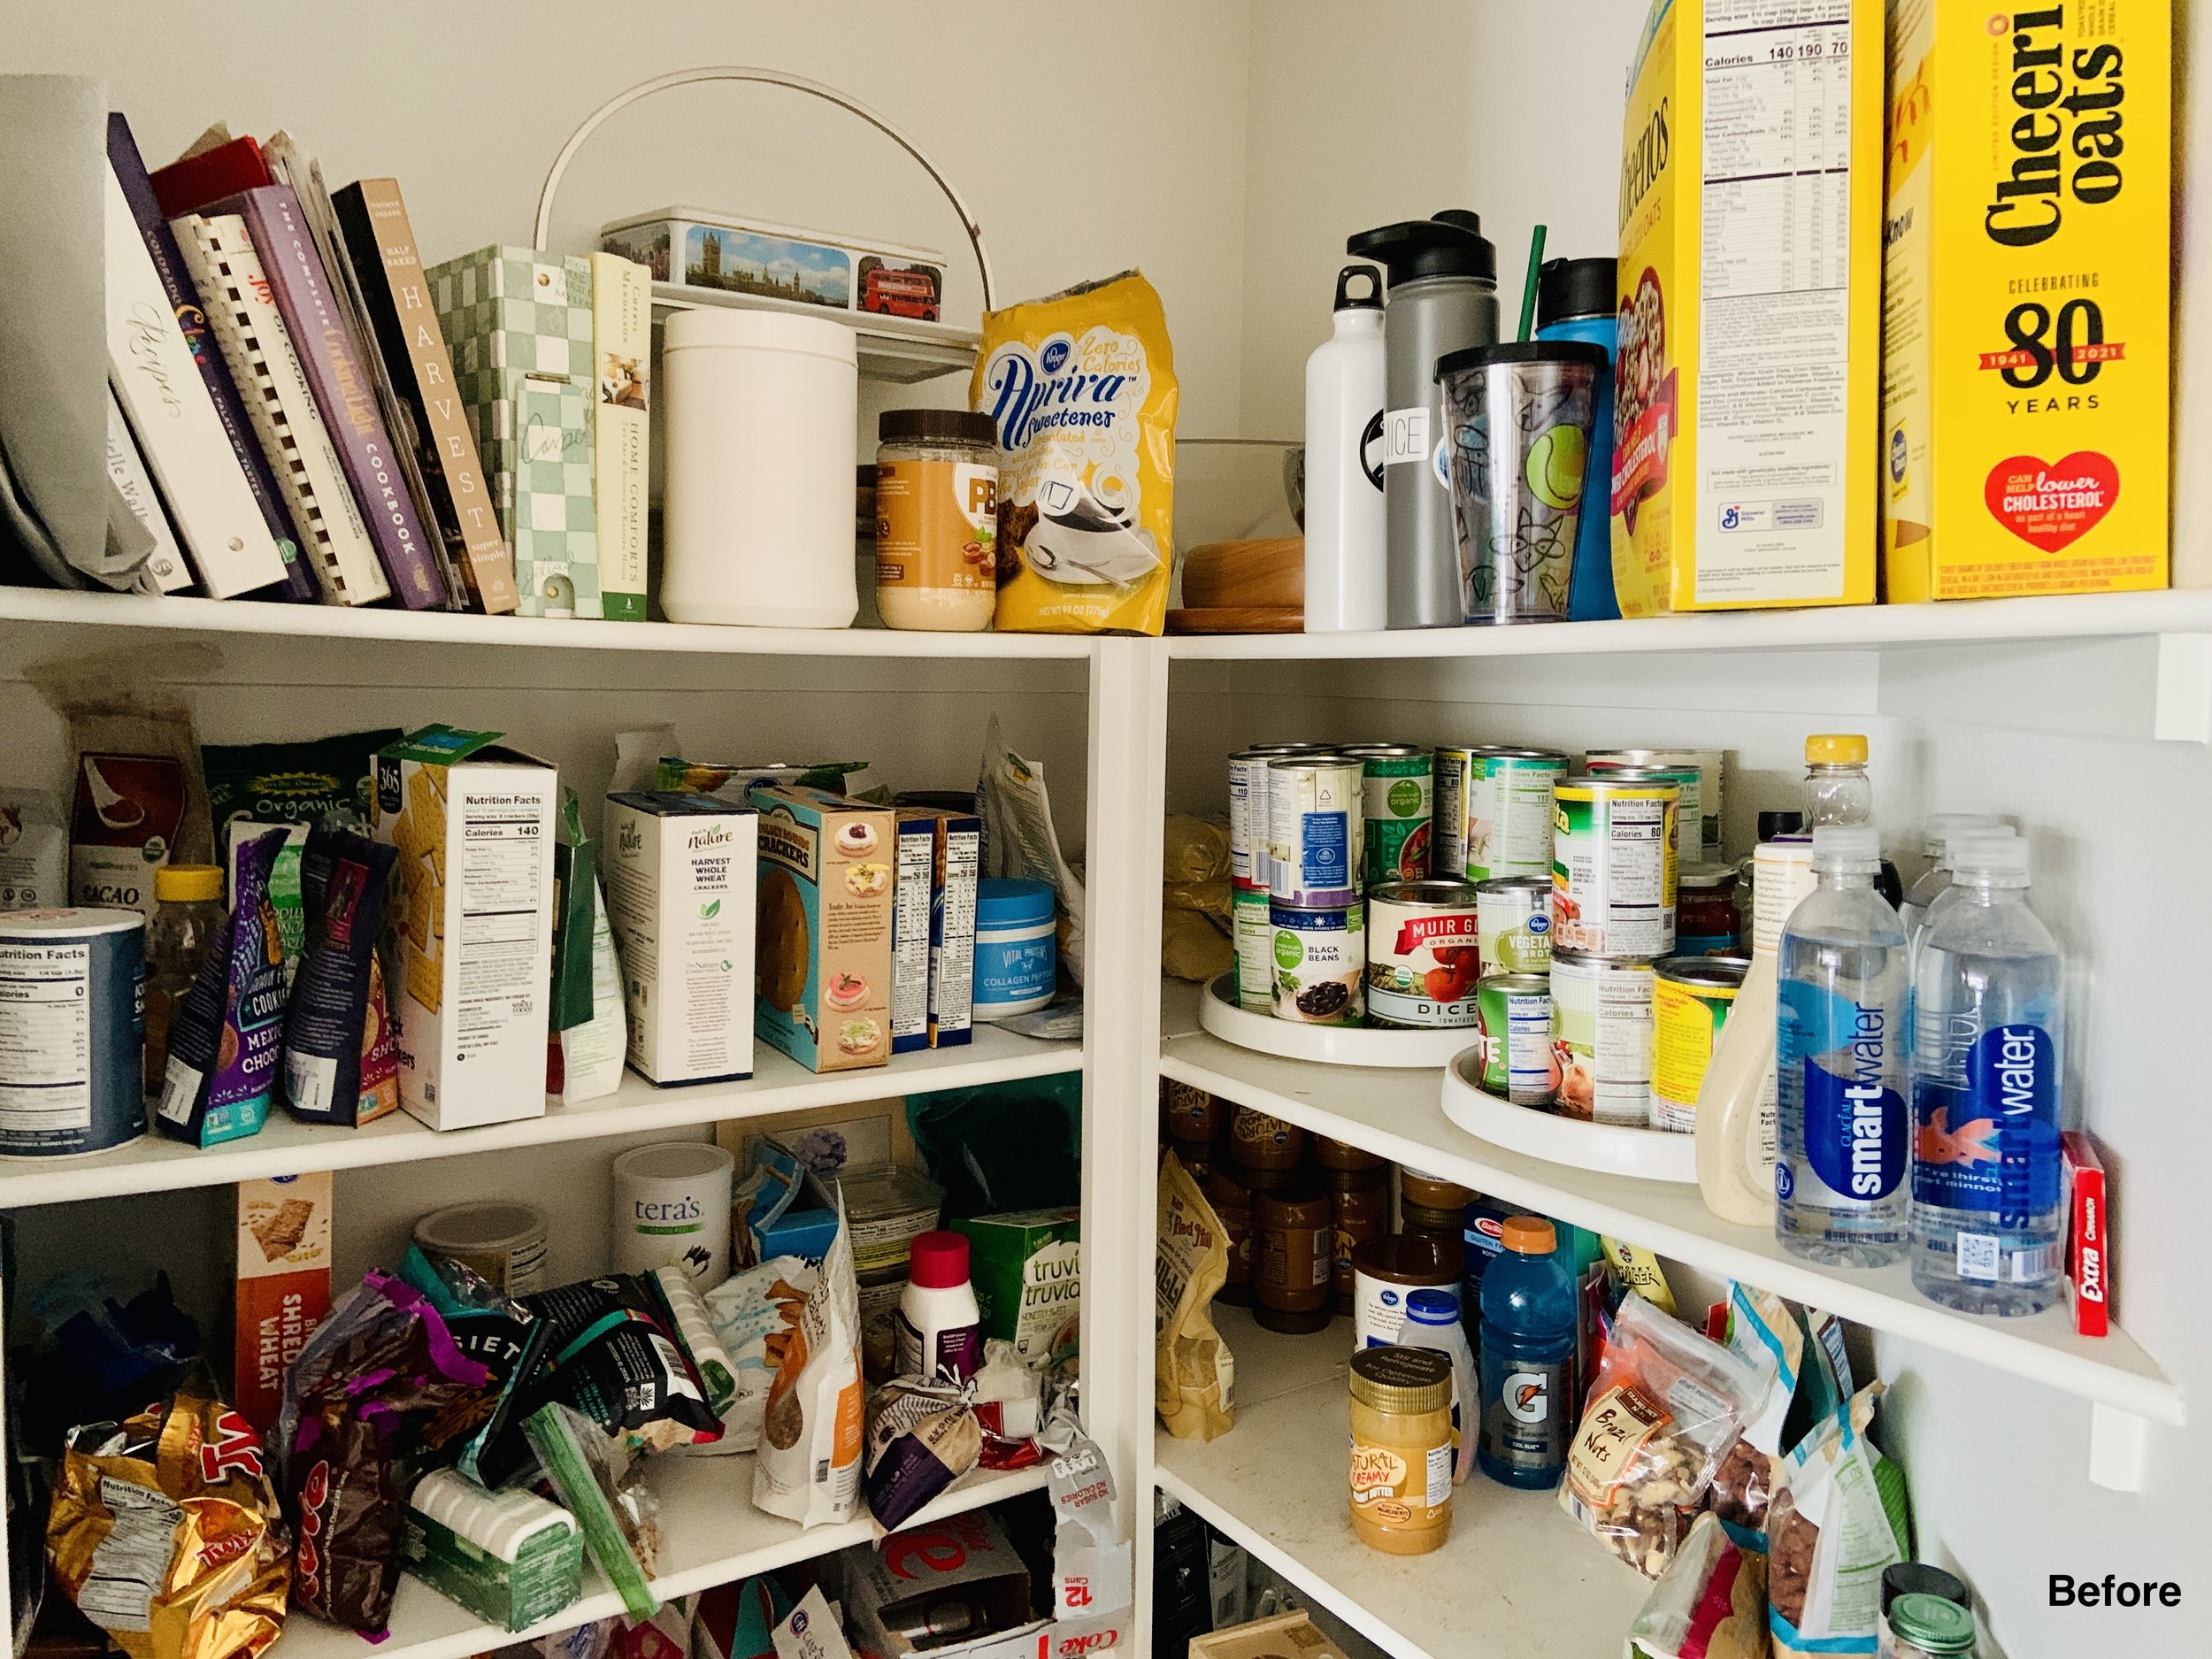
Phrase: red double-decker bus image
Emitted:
{"points": [[901, 293]]}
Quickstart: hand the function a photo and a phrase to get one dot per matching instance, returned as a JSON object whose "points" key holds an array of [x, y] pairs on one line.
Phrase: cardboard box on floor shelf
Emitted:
{"points": [[1288, 1636], [963, 1562], [1748, 385], [283, 1284], [822, 926], [469, 947], [2026, 352]]}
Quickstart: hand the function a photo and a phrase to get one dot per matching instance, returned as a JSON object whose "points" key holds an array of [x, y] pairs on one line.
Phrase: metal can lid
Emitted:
{"points": [[1314, 757], [1496, 752], [1626, 780], [1437, 892], [1387, 751], [1593, 959], [1514, 884], [1718, 972], [1408, 1379], [73, 919], [1270, 752], [1514, 984]]}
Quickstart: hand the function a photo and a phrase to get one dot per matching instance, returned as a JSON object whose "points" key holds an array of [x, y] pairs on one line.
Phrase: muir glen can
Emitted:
{"points": [[1509, 813], [1317, 834], [1517, 1062], [1423, 959], [1397, 802], [1513, 924], [1602, 1035], [1613, 865]]}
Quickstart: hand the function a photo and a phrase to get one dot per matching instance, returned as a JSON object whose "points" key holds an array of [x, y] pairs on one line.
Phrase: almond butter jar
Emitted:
{"points": [[1293, 1235], [937, 519], [1260, 1142]]}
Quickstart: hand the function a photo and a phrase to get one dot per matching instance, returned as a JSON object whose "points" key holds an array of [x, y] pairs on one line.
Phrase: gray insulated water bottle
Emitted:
{"points": [[1443, 297]]}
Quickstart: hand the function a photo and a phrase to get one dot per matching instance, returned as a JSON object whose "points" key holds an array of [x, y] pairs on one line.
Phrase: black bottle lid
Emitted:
{"points": [[1415, 248], [943, 426], [1575, 287], [1357, 274]]}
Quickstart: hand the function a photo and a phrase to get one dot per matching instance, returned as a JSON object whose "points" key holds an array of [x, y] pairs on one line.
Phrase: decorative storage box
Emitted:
{"points": [[777, 264]]}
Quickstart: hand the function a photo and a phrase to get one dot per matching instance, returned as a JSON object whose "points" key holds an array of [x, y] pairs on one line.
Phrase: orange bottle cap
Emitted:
{"points": [[1528, 1235]]}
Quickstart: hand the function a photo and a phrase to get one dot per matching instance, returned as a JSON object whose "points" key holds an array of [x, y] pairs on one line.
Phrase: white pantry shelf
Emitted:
{"points": [[1515, 1580], [1399, 1115], [285, 1147], [710, 1534]]}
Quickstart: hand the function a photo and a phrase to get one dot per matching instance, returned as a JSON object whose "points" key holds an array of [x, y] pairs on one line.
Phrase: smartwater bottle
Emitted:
{"points": [[1988, 1091], [1841, 1049]]}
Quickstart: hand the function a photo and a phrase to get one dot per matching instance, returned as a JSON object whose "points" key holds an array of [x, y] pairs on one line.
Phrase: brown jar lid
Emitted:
{"points": [[1256, 1180], [1343, 1180], [1432, 1191], [1408, 1379], [1341, 1155], [1226, 1187], [1421, 1219], [1418, 1259], [1528, 1235]]}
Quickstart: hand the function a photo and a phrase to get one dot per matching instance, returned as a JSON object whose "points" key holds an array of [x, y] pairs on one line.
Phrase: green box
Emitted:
{"points": [[1026, 1270], [509, 1557]]}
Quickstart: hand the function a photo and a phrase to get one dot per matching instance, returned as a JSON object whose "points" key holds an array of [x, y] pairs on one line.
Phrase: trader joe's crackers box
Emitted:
{"points": [[1750, 319], [822, 926], [469, 959], [2025, 359]]}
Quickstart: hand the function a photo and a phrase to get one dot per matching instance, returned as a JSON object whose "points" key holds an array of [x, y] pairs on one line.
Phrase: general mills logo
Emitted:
{"points": [[1729, 517]]}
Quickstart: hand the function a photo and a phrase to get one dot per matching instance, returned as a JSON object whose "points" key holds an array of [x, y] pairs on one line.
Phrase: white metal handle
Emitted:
{"points": [[771, 78]]}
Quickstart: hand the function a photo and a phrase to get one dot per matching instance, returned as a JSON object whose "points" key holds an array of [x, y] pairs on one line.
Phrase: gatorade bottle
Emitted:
{"points": [[1528, 1359]]}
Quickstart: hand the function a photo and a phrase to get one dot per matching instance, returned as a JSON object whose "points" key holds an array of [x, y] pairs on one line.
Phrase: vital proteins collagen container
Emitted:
{"points": [[1015, 953]]}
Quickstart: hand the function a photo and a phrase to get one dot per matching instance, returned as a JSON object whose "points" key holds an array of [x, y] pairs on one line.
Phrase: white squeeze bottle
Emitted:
{"points": [[1735, 1105], [938, 1327], [1345, 576]]}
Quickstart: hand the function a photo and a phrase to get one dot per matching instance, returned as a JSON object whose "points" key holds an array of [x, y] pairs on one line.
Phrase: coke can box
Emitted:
{"points": [[680, 874], [2025, 412], [283, 1284], [888, 1590], [470, 950]]}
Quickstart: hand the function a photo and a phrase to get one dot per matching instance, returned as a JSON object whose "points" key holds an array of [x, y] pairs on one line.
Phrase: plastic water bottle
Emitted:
{"points": [[1987, 1088], [1529, 1324], [1940, 831], [1840, 1047]]}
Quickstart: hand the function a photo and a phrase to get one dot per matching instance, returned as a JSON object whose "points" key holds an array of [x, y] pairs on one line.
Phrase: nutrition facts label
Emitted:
{"points": [[45, 1039], [1776, 246], [503, 869]]}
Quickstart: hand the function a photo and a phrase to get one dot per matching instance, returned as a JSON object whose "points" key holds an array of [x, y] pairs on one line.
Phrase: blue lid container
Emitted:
{"points": [[1016, 957], [1013, 903]]}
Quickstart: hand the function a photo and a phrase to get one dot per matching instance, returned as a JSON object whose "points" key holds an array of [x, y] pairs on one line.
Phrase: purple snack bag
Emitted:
{"points": [[223, 1045], [922, 1436]]}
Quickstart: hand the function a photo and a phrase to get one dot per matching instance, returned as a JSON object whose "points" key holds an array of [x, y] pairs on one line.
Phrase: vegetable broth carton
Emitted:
{"points": [[1747, 384], [2024, 373], [822, 926], [469, 947]]}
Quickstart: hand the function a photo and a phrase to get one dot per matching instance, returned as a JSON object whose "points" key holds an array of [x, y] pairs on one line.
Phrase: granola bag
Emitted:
{"points": [[1194, 1372], [1082, 389], [1765, 1335]]}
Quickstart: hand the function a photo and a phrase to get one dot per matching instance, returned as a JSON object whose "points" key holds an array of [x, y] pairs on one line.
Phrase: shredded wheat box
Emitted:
{"points": [[283, 1284], [469, 960], [1747, 384], [2025, 336]]}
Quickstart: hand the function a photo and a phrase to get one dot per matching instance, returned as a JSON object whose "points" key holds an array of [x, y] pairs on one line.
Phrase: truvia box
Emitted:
{"points": [[509, 1557], [956, 865], [681, 870], [1747, 379], [469, 960], [1028, 1283], [822, 926]]}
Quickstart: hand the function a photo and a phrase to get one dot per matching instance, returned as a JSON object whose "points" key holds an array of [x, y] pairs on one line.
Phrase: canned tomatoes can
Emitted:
{"points": [[1248, 810], [1613, 865], [73, 1031], [1316, 834], [1601, 1036], [1517, 1061], [1710, 765], [1688, 814], [1320, 960], [1397, 802], [1691, 997], [1455, 765], [1514, 925], [1256, 949], [1423, 959], [1509, 825]]}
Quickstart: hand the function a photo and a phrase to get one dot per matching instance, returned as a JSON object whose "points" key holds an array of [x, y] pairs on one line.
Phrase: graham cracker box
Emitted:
{"points": [[2025, 356], [283, 1284], [1747, 379], [680, 874], [469, 945], [822, 926]]}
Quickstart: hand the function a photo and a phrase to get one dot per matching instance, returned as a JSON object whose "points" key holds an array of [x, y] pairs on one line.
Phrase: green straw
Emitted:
{"points": [[1528, 286]]}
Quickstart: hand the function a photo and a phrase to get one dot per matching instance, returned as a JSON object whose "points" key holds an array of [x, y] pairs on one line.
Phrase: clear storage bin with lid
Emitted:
{"points": [[937, 519]]}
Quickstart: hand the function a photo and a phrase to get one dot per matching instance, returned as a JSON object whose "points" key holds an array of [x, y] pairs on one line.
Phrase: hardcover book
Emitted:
{"points": [[164, 571], [622, 355]]}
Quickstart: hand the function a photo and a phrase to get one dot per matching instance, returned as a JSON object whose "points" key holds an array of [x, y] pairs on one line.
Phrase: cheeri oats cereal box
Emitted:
{"points": [[1744, 460], [2026, 342], [468, 942]]}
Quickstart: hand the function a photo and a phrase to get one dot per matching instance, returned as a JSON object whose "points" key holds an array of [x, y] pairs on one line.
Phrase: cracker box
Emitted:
{"points": [[680, 875], [283, 1284], [957, 863], [822, 926], [2025, 361], [1747, 379], [469, 947]]}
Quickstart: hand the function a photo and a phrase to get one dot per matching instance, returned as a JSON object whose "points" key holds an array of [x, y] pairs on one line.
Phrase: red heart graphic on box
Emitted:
{"points": [[2051, 506]]}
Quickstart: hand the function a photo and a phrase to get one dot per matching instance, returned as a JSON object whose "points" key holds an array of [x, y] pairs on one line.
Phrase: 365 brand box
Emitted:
{"points": [[2026, 350], [822, 926], [469, 960], [681, 874]]}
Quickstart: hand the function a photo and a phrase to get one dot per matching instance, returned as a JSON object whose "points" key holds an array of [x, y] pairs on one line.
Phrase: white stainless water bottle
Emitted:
{"points": [[1345, 574]]}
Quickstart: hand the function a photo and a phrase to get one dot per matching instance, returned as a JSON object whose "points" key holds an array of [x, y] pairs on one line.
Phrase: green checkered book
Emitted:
{"points": [[519, 325]]}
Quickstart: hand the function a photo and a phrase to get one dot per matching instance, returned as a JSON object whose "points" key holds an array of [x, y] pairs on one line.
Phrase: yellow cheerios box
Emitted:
{"points": [[2024, 407], [1747, 418]]}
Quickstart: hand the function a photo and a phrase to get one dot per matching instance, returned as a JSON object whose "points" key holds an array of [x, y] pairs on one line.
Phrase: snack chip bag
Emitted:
{"points": [[1082, 389], [164, 1532]]}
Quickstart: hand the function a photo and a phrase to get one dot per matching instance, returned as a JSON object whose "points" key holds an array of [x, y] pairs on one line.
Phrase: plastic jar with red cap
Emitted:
{"points": [[938, 1328]]}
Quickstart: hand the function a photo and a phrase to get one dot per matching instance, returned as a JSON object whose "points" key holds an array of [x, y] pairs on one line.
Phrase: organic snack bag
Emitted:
{"points": [[1082, 388]]}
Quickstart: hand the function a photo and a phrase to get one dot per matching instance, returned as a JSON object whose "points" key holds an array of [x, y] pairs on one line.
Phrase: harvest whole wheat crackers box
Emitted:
{"points": [[1747, 379], [2025, 356], [469, 945]]}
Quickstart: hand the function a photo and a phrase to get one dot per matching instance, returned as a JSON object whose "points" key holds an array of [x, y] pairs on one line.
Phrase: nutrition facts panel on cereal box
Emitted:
{"points": [[502, 862], [1774, 333]]}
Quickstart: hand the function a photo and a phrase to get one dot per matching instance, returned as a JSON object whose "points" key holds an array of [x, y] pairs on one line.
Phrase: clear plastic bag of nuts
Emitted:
{"points": [[1665, 1407]]}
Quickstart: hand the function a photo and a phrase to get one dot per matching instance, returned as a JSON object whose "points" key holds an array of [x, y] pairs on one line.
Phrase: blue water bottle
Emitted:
{"points": [[1576, 300], [1528, 1359]]}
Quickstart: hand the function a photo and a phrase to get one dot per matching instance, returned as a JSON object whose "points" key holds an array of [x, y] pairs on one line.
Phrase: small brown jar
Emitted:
{"points": [[1341, 1155], [1360, 1202], [1432, 1192], [1292, 1235], [1191, 1114], [1197, 1156], [1261, 1142], [1231, 1201]]}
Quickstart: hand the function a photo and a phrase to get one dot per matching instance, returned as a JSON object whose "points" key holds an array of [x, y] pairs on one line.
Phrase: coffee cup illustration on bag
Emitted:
{"points": [[1083, 540]]}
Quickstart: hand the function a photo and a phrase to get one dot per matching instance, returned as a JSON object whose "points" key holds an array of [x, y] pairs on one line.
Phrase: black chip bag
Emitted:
{"points": [[330, 1074], [616, 1357]]}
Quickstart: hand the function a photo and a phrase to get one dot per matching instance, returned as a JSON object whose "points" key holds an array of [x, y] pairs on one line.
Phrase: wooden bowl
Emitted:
{"points": [[1233, 575]]}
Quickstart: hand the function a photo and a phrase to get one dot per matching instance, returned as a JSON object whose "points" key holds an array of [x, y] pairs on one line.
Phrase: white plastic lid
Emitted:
{"points": [[1990, 855], [707, 326], [1846, 843], [1943, 827]]}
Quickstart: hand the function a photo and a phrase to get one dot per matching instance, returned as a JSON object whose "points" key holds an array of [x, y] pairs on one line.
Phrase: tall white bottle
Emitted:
{"points": [[1346, 575]]}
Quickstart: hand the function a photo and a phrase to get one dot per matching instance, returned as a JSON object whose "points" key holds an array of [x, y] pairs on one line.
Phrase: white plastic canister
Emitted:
{"points": [[756, 510]]}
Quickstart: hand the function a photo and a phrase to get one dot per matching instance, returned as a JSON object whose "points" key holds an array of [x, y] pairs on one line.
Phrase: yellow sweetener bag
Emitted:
{"points": [[1081, 387]]}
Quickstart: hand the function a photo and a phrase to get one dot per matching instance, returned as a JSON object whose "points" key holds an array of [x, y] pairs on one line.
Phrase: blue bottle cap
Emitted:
{"points": [[1432, 1307]]}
